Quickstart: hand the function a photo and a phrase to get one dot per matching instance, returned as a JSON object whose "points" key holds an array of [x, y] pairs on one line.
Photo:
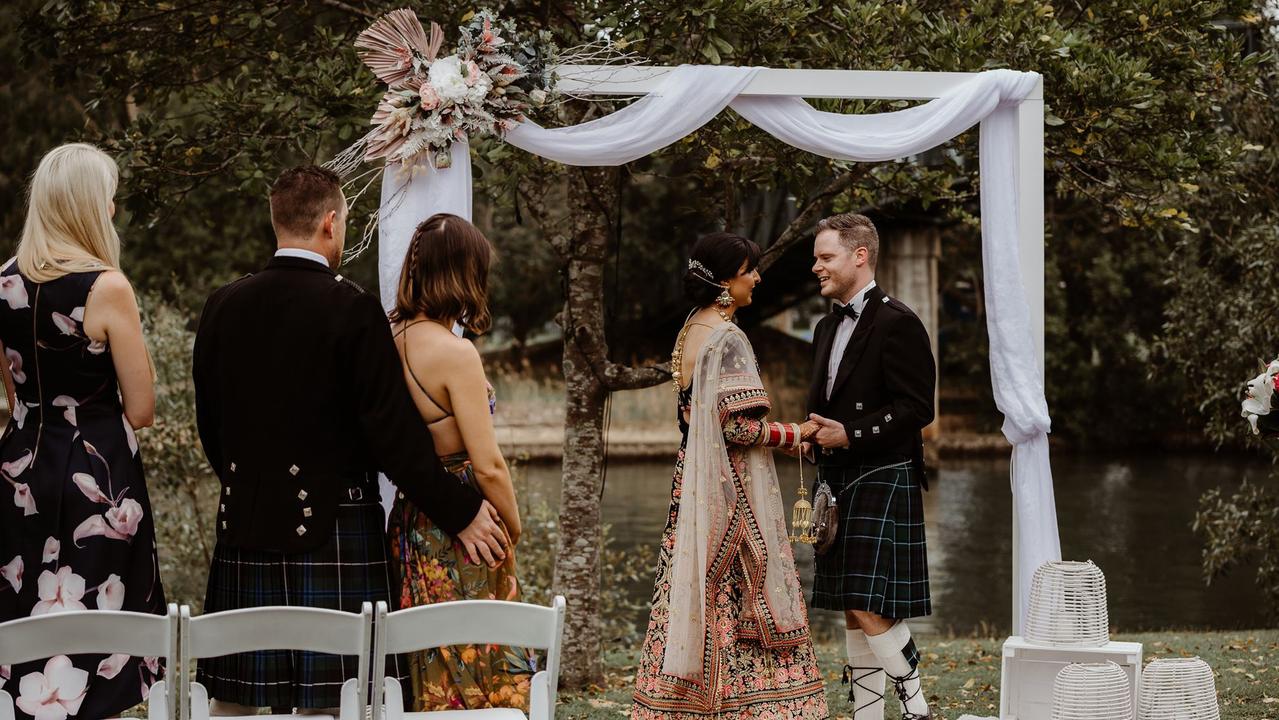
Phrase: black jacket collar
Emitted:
{"points": [[285, 262]]}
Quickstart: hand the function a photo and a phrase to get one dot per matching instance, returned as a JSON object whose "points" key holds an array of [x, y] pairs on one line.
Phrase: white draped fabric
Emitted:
{"points": [[690, 96]]}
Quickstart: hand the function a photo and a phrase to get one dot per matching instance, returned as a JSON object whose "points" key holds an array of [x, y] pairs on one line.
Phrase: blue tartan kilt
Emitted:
{"points": [[879, 562], [344, 573]]}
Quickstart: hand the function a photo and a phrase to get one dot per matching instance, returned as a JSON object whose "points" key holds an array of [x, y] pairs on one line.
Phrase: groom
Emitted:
{"points": [[300, 400], [872, 393]]}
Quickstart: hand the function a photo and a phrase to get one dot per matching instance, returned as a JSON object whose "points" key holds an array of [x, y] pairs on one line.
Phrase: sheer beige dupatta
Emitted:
{"points": [[726, 378]]}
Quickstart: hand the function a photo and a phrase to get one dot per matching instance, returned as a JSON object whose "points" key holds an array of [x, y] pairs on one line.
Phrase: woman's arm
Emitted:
{"points": [[463, 373], [112, 316], [742, 429]]}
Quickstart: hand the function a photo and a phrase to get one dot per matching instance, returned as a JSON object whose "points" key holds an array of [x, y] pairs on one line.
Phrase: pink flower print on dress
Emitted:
{"points": [[68, 402], [111, 593], [21, 492], [124, 518], [14, 292], [12, 572], [97, 347], [65, 324], [6, 671], [15, 366], [111, 666], [89, 486], [52, 548], [60, 592], [14, 468], [78, 314], [92, 526], [153, 663], [20, 413], [23, 498], [55, 693]]}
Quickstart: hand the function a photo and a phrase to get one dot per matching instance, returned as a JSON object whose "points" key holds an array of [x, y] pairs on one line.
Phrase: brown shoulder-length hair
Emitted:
{"points": [[446, 274]]}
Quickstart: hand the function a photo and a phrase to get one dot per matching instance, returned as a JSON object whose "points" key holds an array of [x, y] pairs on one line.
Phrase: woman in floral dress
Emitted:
{"points": [[444, 281], [728, 634], [79, 531]]}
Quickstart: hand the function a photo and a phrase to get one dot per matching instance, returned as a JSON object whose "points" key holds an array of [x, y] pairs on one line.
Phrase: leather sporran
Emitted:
{"points": [[825, 518]]}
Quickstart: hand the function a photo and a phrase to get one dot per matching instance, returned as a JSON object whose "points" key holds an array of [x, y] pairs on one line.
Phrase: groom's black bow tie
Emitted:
{"points": [[843, 311]]}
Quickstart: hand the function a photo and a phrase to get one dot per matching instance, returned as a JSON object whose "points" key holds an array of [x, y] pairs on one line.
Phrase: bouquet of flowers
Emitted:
{"points": [[484, 87], [1262, 396]]}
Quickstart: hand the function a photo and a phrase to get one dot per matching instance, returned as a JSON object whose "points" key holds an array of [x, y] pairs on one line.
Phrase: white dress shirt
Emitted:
{"points": [[304, 254], [843, 333]]}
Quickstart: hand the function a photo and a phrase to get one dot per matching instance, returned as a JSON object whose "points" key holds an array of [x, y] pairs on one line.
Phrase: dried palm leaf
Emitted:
{"points": [[389, 44]]}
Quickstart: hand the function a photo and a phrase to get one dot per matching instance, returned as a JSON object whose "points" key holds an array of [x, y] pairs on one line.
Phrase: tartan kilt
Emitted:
{"points": [[348, 570], [879, 562]]}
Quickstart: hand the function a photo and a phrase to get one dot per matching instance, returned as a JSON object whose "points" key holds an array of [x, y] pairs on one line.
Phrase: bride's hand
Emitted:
{"points": [[808, 429]]}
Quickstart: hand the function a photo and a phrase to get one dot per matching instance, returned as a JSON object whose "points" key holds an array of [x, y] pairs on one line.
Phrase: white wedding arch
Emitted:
{"points": [[676, 101]]}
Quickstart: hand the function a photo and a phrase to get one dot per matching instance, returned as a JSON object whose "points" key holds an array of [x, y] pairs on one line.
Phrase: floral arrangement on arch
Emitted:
{"points": [[484, 87], [1260, 398]]}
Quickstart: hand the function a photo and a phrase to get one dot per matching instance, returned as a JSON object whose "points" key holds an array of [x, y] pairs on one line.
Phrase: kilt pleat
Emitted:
{"points": [[344, 573], [879, 562]]}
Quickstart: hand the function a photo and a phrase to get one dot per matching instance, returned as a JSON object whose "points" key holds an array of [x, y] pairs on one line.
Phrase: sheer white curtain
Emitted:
{"points": [[690, 96]]}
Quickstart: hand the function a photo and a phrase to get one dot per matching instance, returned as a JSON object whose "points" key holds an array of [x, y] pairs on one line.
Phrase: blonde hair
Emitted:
{"points": [[68, 226]]}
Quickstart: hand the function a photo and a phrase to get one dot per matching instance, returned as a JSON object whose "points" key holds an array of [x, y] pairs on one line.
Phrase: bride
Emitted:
{"points": [[728, 633]]}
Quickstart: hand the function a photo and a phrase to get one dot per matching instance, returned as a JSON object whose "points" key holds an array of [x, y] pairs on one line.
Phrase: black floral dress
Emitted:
{"points": [[78, 533]]}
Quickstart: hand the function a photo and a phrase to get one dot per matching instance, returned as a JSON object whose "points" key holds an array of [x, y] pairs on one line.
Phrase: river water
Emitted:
{"points": [[1131, 515]]}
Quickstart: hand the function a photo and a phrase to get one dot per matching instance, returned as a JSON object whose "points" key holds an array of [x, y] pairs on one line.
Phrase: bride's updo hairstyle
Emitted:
{"points": [[716, 258], [446, 273]]}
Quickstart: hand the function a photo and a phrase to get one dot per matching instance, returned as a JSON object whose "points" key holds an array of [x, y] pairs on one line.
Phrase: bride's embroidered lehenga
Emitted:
{"points": [[728, 633]]}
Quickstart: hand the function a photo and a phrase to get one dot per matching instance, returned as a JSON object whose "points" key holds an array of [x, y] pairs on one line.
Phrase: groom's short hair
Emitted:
{"points": [[855, 231], [300, 198]]}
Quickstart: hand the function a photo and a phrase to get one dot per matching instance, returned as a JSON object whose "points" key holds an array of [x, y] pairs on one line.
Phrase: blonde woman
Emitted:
{"points": [[78, 533]]}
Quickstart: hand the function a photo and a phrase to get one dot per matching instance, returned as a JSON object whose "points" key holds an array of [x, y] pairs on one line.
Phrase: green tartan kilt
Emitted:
{"points": [[879, 562]]}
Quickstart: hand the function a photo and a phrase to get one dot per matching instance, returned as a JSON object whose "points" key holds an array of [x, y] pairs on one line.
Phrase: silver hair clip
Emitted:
{"points": [[694, 265], [709, 277]]}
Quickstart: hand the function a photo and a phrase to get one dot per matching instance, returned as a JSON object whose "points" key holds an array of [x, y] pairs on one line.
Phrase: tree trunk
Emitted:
{"points": [[577, 561]]}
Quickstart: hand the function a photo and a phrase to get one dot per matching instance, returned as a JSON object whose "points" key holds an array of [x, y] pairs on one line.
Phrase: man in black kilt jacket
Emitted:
{"points": [[300, 401], [874, 380]]}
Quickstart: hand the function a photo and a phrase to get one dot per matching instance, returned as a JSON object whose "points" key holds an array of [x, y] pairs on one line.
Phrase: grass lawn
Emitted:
{"points": [[962, 675]]}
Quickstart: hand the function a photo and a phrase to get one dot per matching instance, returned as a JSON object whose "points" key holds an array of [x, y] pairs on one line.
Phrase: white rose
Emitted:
{"points": [[479, 90], [449, 79]]}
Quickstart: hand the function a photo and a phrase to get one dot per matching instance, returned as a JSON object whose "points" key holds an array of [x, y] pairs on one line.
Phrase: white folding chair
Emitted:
{"points": [[276, 628], [112, 632], [467, 622]]}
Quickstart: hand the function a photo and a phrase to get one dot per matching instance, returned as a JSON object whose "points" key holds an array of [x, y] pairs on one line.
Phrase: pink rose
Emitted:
{"points": [[429, 98], [472, 73]]}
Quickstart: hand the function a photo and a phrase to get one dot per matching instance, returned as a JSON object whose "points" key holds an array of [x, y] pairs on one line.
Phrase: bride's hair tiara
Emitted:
{"points": [[701, 272]]}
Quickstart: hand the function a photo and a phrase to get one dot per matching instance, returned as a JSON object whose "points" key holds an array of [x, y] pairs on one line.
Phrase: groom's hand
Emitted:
{"points": [[830, 434], [483, 538]]}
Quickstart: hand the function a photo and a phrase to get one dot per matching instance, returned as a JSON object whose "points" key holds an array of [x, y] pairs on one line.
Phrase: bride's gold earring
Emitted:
{"points": [[725, 299]]}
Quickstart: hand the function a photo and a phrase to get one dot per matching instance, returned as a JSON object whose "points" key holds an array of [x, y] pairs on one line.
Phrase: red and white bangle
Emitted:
{"points": [[783, 435]]}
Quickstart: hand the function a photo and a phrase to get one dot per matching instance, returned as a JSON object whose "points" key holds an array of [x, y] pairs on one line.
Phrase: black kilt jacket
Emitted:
{"points": [[300, 398], [884, 389]]}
